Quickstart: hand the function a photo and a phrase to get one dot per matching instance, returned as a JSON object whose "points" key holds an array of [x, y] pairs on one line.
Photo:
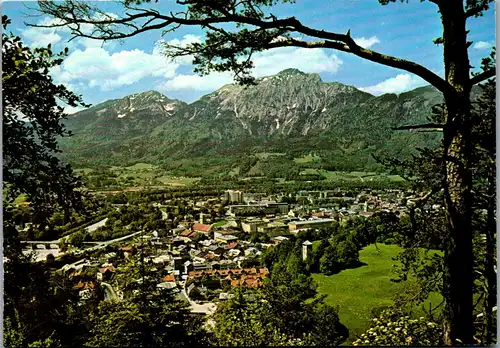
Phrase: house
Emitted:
{"points": [[168, 285], [232, 245], [178, 230], [168, 278], [162, 259], [227, 263], [252, 252], [84, 285], [201, 265], [105, 273], [319, 223], [251, 226], [179, 241], [233, 253], [127, 251], [226, 239], [188, 267], [279, 239], [206, 243], [188, 234], [202, 228], [211, 256]]}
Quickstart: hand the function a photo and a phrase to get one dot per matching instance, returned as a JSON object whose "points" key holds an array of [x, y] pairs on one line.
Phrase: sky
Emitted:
{"points": [[101, 71]]}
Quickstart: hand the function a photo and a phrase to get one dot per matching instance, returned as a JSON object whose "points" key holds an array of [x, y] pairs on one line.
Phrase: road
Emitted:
{"points": [[41, 254], [107, 242], [95, 226]]}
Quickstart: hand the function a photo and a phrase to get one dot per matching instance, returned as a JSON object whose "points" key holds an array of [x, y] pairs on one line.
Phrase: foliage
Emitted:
{"points": [[42, 308], [31, 125], [394, 328], [162, 322], [284, 312]]}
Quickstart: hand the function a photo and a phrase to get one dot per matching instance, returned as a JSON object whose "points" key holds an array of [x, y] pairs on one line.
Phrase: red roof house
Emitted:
{"points": [[201, 228]]}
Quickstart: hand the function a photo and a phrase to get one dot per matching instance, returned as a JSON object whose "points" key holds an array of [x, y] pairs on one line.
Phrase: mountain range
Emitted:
{"points": [[291, 114]]}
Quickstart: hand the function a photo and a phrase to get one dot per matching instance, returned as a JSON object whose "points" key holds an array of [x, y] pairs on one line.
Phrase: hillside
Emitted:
{"points": [[292, 113]]}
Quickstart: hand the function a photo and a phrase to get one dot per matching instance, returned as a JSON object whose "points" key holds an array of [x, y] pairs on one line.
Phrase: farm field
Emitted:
{"points": [[360, 290], [351, 176]]}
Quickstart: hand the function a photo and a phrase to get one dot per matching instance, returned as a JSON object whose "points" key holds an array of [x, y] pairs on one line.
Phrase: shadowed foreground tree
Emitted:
{"points": [[37, 310], [253, 28], [427, 216], [31, 125]]}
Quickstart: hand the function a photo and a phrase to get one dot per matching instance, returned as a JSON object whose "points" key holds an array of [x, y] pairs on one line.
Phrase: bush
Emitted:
{"points": [[394, 328]]}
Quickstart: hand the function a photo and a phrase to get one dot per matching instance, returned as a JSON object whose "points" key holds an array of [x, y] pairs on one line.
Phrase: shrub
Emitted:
{"points": [[394, 328]]}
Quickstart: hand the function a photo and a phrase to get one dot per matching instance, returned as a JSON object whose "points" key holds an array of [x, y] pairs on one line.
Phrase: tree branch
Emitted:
{"points": [[482, 76], [349, 46], [420, 126], [72, 14]]}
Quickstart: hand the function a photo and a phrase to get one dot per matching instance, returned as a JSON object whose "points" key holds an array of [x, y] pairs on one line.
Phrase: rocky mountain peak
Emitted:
{"points": [[291, 71]]}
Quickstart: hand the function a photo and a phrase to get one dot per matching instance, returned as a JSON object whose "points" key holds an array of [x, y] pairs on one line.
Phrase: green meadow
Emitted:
{"points": [[360, 290]]}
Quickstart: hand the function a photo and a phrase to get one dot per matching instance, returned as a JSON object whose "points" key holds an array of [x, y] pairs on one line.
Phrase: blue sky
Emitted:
{"points": [[117, 69]]}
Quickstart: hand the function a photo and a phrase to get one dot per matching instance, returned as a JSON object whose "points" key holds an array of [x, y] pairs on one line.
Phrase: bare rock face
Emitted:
{"points": [[289, 103]]}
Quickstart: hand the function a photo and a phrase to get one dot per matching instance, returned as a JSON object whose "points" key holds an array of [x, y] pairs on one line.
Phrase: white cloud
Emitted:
{"points": [[186, 40], [72, 109], [96, 67], [400, 83], [366, 42], [482, 45], [41, 37], [305, 59], [195, 82], [266, 63]]}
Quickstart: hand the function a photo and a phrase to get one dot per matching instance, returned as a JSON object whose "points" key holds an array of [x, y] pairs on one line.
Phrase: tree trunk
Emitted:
{"points": [[491, 275], [458, 255]]}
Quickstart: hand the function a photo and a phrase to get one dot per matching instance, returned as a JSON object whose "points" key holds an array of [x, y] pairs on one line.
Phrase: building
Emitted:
{"points": [[233, 196], [306, 249], [202, 228], [267, 208], [318, 223], [226, 238], [251, 226]]}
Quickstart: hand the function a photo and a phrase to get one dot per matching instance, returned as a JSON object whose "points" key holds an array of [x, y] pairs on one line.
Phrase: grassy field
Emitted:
{"points": [[177, 181], [358, 291], [351, 176], [219, 224], [84, 170], [307, 159], [264, 155]]}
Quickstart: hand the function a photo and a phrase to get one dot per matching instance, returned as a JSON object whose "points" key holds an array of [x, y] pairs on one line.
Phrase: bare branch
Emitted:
{"points": [[420, 126], [482, 76]]}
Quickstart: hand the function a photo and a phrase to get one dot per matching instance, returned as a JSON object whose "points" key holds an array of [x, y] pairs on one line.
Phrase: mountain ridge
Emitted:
{"points": [[290, 112]]}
